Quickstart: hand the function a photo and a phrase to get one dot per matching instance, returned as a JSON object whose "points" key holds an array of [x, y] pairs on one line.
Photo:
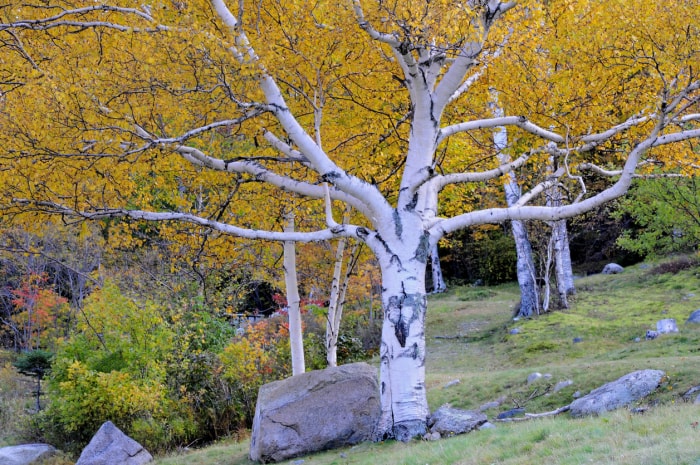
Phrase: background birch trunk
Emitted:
{"points": [[560, 244], [296, 340], [525, 264]]}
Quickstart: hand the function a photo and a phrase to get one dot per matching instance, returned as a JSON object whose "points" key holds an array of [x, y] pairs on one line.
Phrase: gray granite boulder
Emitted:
{"points": [[619, 393], [694, 317], [315, 411], [667, 325], [449, 421], [612, 268], [110, 446], [25, 454]]}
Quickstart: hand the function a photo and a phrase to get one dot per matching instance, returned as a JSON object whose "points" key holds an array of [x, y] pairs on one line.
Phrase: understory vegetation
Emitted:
{"points": [[474, 357]]}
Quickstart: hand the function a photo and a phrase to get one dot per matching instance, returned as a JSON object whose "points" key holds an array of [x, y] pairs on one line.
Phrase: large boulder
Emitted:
{"points": [[449, 421], [612, 268], [110, 446], [624, 391], [25, 454], [315, 411]]}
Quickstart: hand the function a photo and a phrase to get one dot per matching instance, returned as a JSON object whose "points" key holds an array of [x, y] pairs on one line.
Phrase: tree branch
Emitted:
{"points": [[519, 121], [313, 236]]}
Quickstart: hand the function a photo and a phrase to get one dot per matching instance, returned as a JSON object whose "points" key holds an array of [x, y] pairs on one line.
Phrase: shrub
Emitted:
{"points": [[675, 266]]}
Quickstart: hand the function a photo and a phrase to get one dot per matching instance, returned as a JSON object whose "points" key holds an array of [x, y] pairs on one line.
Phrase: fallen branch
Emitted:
{"points": [[530, 416]]}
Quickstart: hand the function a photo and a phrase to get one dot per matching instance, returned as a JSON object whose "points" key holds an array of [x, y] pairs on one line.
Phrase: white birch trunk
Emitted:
{"points": [[525, 264], [560, 244], [337, 298], [296, 339], [565, 259], [334, 309], [403, 259], [526, 274]]}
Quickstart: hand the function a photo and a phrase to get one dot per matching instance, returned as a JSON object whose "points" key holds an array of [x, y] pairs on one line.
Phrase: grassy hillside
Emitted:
{"points": [[469, 339], [469, 336]]}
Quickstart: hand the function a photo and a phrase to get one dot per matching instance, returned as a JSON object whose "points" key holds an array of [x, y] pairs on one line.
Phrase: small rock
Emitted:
{"points": [[562, 384], [576, 394], [298, 462], [697, 400], [651, 335], [435, 436], [547, 376], [577, 340], [514, 331], [532, 377], [667, 325], [489, 405], [449, 421], [514, 412], [454, 382], [637, 339], [487, 425], [612, 268], [343, 455], [686, 396], [694, 317], [644, 266]]}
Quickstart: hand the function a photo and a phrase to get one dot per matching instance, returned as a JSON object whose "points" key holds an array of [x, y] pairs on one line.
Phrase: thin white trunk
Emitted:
{"points": [[525, 268], [296, 340], [560, 270], [525, 264], [337, 298], [566, 261], [333, 316], [546, 272], [560, 243]]}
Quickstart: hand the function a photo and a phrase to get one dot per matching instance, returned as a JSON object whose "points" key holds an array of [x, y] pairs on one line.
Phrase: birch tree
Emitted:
{"points": [[116, 111]]}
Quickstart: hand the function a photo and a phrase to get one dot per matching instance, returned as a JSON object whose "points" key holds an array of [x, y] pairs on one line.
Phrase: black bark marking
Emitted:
{"points": [[401, 330], [383, 242], [278, 108], [412, 204], [398, 226], [362, 233], [423, 249], [383, 387], [395, 260], [402, 310], [331, 176]]}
